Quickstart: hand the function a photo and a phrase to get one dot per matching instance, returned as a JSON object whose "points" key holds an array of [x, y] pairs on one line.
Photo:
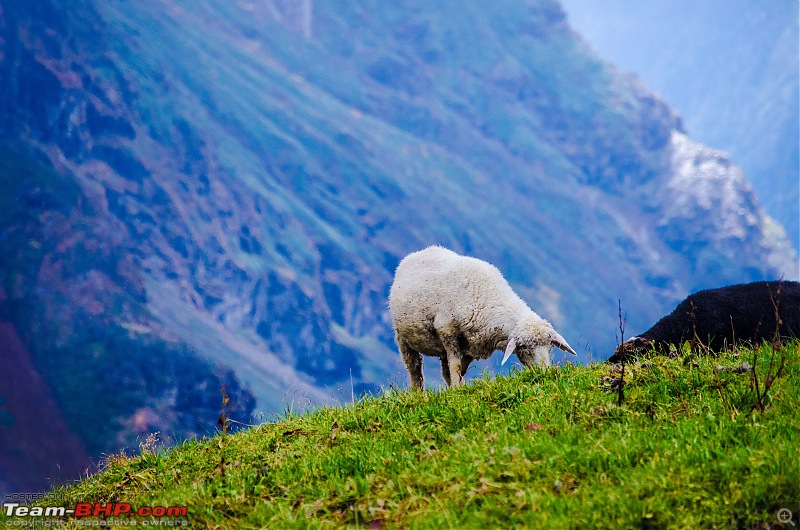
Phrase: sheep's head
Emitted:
{"points": [[532, 340]]}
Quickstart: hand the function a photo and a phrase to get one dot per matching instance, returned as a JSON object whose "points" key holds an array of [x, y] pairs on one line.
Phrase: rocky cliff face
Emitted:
{"points": [[207, 194], [738, 95], [706, 194]]}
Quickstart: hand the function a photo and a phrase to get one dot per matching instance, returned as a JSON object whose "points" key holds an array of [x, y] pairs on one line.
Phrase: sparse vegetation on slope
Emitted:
{"points": [[693, 445]]}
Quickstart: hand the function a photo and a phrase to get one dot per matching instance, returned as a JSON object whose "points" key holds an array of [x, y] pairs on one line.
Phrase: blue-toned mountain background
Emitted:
{"points": [[208, 194], [731, 68]]}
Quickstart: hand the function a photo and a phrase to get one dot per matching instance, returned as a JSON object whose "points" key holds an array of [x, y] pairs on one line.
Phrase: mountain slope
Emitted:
{"points": [[214, 193], [539, 449], [741, 95]]}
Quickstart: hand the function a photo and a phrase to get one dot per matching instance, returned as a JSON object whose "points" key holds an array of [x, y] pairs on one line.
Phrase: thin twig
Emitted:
{"points": [[776, 346], [621, 386]]}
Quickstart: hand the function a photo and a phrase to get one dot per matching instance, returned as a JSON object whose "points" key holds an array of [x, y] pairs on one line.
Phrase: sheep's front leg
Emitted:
{"points": [[445, 369], [413, 360], [466, 360], [453, 354]]}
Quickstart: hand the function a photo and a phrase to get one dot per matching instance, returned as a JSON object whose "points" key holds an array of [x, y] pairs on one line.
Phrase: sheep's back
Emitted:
{"points": [[423, 286], [730, 314], [436, 281]]}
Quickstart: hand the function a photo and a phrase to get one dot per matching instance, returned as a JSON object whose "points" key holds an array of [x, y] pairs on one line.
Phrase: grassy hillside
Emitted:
{"points": [[692, 446], [215, 192]]}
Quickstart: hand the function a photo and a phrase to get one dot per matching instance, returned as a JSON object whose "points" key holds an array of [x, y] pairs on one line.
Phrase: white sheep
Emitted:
{"points": [[460, 309]]}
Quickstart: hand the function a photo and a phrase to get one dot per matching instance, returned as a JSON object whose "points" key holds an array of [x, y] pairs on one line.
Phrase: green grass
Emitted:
{"points": [[539, 448]]}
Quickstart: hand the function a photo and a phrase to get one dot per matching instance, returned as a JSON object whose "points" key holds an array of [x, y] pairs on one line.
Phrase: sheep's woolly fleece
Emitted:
{"points": [[446, 305]]}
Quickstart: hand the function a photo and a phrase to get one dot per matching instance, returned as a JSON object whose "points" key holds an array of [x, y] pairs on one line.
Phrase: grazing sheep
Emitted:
{"points": [[461, 309], [722, 317]]}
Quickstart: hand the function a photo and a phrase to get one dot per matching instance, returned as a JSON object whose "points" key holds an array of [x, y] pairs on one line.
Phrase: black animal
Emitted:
{"points": [[722, 317]]}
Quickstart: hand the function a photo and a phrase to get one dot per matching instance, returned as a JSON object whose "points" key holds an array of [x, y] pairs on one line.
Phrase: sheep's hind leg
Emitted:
{"points": [[413, 362]]}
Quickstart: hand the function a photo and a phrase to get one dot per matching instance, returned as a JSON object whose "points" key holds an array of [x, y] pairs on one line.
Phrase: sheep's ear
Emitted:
{"points": [[512, 345], [559, 342]]}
